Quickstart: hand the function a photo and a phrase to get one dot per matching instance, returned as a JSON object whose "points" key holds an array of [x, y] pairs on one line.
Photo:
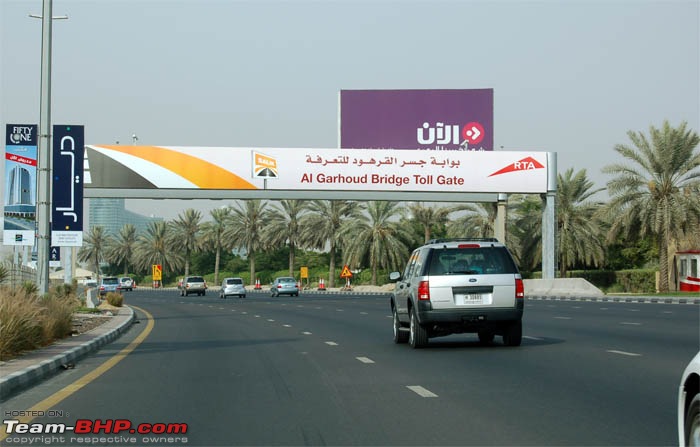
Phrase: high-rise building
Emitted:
{"points": [[111, 214]]}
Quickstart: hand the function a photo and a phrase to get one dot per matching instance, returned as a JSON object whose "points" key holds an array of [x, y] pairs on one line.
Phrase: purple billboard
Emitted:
{"points": [[417, 119]]}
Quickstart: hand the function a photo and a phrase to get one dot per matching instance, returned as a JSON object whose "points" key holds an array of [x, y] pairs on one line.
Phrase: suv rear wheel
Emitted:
{"points": [[399, 335], [513, 335], [417, 335]]}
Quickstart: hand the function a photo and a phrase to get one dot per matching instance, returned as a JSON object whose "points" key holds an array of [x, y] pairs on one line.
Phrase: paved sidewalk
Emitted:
{"points": [[24, 371]]}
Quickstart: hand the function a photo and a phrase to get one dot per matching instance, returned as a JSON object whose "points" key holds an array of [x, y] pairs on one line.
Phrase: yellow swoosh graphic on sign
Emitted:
{"points": [[200, 172]]}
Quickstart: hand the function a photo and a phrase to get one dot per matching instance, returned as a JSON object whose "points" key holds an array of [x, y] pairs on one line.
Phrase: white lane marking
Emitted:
{"points": [[270, 320], [221, 308], [257, 316], [364, 313], [532, 338], [331, 343], [318, 308], [603, 308], [628, 323], [422, 392], [365, 359], [633, 310], [306, 333], [562, 318], [244, 313], [287, 325], [575, 307], [630, 354], [339, 310]]}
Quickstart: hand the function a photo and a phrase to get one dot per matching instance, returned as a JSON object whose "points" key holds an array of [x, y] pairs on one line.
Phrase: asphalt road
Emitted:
{"points": [[323, 370]]}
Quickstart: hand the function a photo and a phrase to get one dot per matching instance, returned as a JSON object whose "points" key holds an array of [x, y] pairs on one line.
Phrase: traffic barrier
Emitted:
{"points": [[321, 284], [257, 285]]}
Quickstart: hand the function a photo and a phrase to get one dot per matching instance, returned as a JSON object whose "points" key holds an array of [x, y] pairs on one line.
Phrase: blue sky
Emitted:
{"points": [[570, 77]]}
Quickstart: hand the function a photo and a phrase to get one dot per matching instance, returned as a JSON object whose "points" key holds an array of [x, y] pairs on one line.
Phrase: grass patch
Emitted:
{"points": [[29, 321]]}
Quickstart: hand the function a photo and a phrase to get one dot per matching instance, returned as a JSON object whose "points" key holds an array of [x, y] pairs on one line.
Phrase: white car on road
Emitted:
{"points": [[689, 405]]}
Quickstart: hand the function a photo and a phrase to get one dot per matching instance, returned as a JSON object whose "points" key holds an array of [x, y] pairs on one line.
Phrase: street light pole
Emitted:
{"points": [[43, 180], [43, 205]]}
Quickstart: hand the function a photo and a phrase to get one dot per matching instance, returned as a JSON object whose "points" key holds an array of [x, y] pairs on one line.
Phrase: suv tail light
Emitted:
{"points": [[424, 291], [519, 289]]}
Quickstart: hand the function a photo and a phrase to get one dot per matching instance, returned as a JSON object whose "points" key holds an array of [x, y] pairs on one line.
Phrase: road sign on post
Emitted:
{"points": [[346, 274], [157, 275]]}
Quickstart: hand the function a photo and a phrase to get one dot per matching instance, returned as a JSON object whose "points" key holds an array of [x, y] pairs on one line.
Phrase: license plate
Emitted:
{"points": [[474, 298]]}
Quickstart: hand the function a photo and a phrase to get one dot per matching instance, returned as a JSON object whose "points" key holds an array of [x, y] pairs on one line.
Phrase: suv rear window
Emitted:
{"points": [[234, 281], [195, 279], [110, 281], [470, 261]]}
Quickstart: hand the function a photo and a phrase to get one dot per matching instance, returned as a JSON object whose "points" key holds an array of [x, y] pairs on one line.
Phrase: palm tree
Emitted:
{"points": [[155, 247], [428, 217], [579, 232], [122, 248], [480, 221], [212, 233], [245, 228], [185, 234], [321, 227], [377, 238], [283, 227], [655, 193], [94, 245]]}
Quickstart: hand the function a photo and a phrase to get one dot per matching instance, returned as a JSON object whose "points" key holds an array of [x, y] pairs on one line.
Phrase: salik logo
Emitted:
{"points": [[526, 164]]}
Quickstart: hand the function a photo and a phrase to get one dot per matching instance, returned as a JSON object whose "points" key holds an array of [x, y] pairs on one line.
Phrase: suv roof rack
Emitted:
{"points": [[462, 239]]}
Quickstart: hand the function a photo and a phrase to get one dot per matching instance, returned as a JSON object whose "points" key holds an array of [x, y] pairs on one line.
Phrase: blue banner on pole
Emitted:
{"points": [[21, 142], [67, 186]]}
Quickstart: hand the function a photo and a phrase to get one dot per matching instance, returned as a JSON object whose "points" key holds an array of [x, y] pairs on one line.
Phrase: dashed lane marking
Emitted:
{"points": [[629, 354], [422, 392], [331, 343], [365, 359]]}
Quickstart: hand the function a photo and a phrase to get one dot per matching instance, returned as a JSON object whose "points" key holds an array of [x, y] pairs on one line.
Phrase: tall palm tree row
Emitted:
{"points": [[185, 234], [321, 227], [376, 238]]}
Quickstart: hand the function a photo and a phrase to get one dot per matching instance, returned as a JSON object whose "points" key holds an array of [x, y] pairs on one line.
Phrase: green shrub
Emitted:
{"points": [[59, 314], [21, 322], [115, 299], [637, 281]]}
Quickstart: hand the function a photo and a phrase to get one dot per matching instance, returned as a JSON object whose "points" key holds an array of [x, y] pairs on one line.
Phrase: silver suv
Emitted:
{"points": [[453, 286], [193, 284]]}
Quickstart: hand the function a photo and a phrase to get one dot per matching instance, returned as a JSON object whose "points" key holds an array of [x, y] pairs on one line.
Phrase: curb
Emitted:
{"points": [[12, 383], [616, 299]]}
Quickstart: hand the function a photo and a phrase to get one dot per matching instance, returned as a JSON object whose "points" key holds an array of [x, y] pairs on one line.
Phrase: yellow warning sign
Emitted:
{"points": [[264, 166], [157, 272], [346, 273]]}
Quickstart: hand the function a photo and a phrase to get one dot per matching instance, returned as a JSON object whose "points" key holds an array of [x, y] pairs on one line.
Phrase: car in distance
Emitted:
{"points": [[689, 404], [284, 285], [126, 283], [452, 286], [232, 287], [193, 284], [109, 284]]}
